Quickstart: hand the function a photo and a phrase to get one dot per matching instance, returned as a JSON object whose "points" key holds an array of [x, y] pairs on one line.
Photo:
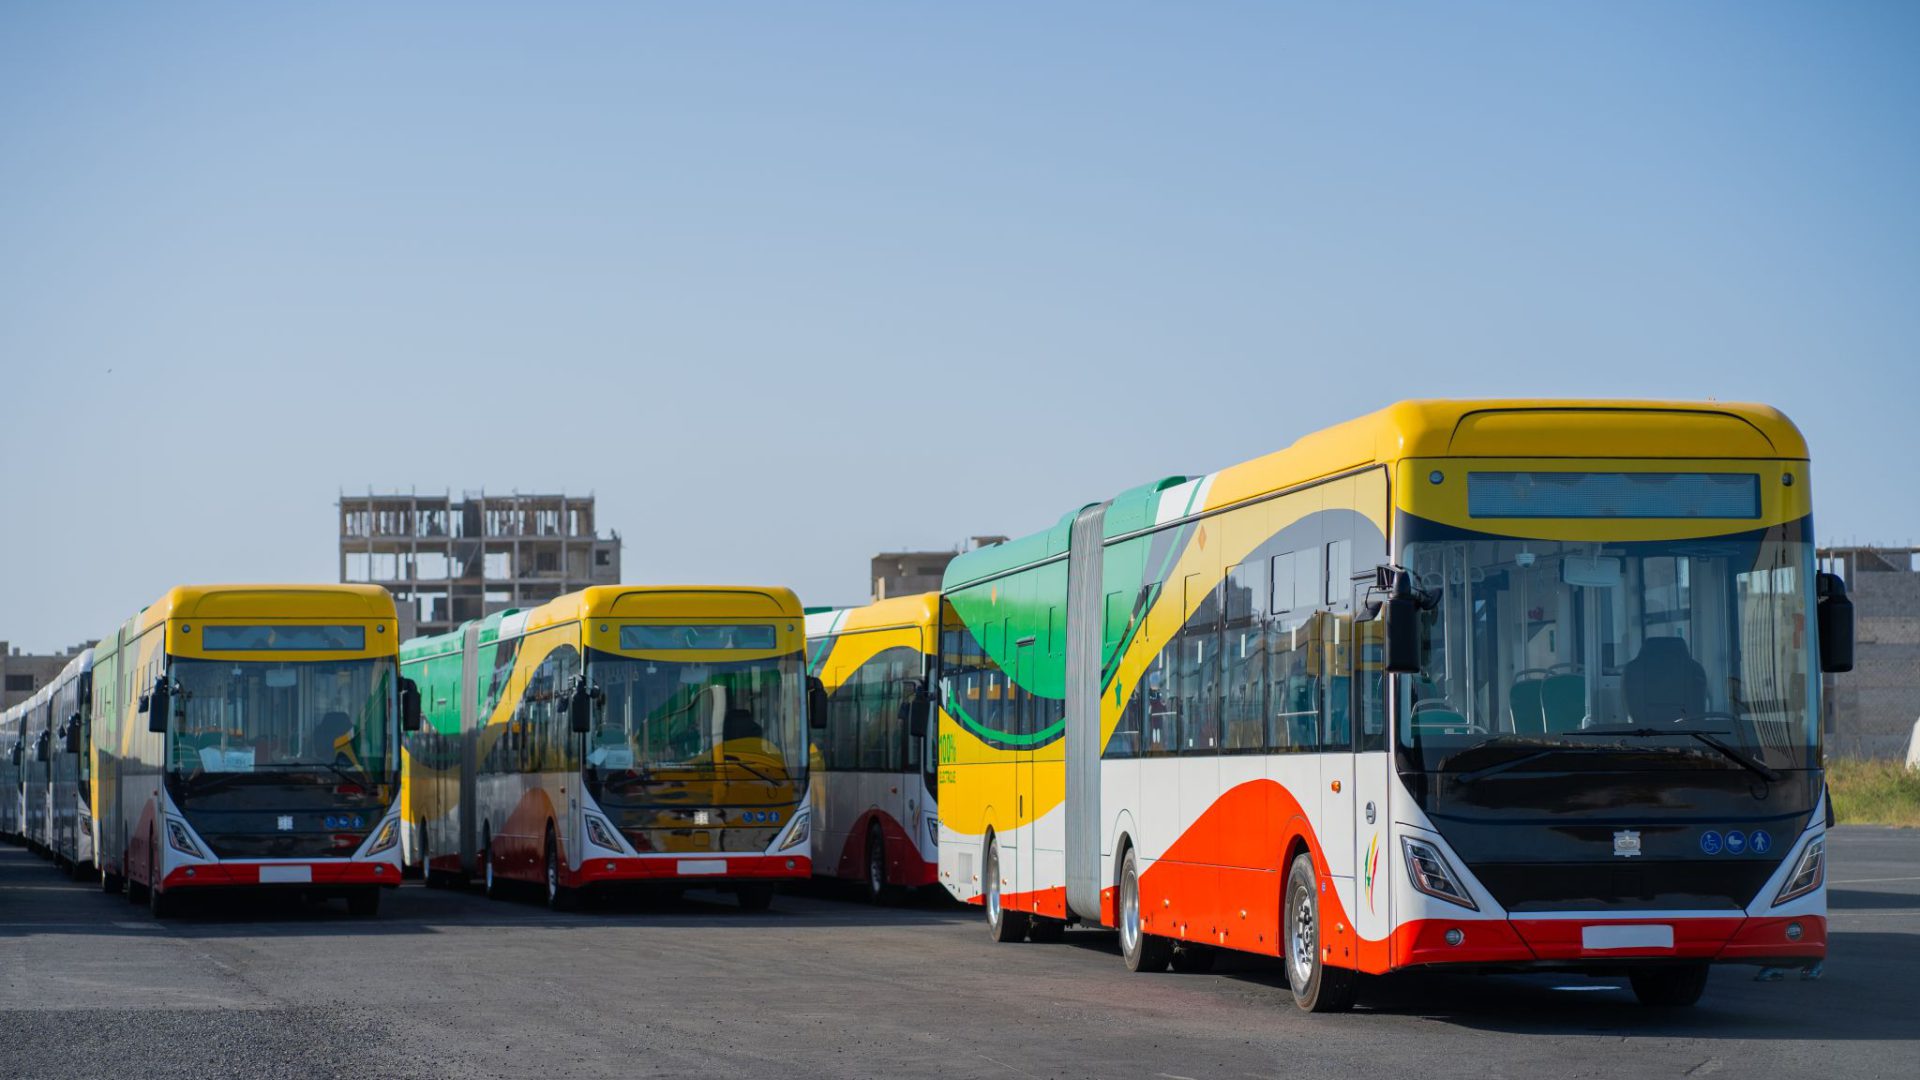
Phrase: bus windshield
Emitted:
{"points": [[1667, 647], [694, 719], [328, 716]]}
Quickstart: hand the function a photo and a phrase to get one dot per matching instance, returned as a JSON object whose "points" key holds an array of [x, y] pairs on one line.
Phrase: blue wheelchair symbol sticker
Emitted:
{"points": [[1710, 842]]}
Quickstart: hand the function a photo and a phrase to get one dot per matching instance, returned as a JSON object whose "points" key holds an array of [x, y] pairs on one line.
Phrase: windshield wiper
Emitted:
{"points": [[1510, 763], [1738, 757], [736, 759]]}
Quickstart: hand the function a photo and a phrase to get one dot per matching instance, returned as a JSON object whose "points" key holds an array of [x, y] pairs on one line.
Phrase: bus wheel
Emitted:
{"points": [[1316, 987], [111, 882], [559, 897], [755, 898], [1002, 925], [1142, 951], [1669, 986], [364, 903], [877, 890], [1191, 959]]}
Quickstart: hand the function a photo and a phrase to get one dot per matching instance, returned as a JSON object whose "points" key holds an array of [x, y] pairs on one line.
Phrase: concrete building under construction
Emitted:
{"points": [[1871, 710], [447, 560]]}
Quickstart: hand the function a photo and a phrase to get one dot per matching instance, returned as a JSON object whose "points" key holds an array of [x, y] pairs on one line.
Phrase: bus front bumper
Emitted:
{"points": [[332, 873], [691, 869]]}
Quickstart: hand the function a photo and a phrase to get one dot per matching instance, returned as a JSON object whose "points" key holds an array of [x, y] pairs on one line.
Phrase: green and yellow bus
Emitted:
{"points": [[875, 819], [246, 736], [648, 735], [1467, 684]]}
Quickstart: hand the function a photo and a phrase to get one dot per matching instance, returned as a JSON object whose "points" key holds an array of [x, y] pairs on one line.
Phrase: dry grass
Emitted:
{"points": [[1874, 793]]}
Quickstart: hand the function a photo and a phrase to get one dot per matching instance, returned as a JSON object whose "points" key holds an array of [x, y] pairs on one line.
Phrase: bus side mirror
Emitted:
{"points": [[72, 732], [580, 706], [159, 704], [916, 709], [1402, 610], [1835, 612], [816, 704], [409, 705]]}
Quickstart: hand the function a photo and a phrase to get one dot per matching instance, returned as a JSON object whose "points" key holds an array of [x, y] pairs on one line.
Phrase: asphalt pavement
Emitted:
{"points": [[449, 984]]}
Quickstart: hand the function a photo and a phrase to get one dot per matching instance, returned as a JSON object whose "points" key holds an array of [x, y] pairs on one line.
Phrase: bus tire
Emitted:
{"points": [[878, 891], [1002, 925], [755, 898], [1143, 952], [559, 897], [1193, 959], [1669, 986], [364, 903], [111, 882], [1316, 987]]}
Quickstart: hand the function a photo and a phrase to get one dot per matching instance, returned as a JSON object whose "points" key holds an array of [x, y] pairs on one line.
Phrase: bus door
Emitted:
{"points": [[1372, 776], [1335, 823], [1018, 705], [473, 693]]}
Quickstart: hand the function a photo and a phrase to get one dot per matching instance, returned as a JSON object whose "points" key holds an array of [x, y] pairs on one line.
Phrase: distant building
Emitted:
{"points": [[1870, 710], [22, 673], [904, 573], [448, 560]]}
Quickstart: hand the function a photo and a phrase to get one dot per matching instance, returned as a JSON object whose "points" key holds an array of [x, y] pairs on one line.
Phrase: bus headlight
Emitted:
{"points": [[600, 834], [801, 829], [1808, 873], [388, 836], [1431, 875], [180, 840]]}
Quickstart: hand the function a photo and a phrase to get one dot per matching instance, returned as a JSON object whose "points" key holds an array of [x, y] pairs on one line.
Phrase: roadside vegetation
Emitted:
{"points": [[1874, 792]]}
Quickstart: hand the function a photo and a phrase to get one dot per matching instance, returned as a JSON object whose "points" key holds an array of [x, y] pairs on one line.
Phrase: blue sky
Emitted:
{"points": [[788, 284]]}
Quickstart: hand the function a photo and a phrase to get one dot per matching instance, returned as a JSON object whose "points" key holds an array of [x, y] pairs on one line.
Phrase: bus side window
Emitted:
{"points": [[1243, 657]]}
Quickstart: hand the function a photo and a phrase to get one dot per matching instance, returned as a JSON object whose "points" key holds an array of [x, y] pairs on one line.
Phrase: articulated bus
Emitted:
{"points": [[70, 767], [1478, 685], [36, 769], [874, 812], [246, 736], [617, 735], [12, 782]]}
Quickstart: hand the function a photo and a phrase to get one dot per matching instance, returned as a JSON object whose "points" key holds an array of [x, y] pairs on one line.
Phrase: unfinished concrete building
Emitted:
{"points": [[447, 560], [23, 673], [1870, 710], [903, 573]]}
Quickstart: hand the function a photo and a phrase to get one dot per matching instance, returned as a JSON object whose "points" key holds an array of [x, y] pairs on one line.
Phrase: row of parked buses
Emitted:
{"points": [[1485, 685]]}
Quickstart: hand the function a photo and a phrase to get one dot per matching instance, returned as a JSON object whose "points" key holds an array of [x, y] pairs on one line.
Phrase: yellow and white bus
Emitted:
{"points": [[623, 734], [1473, 684], [247, 736], [874, 813]]}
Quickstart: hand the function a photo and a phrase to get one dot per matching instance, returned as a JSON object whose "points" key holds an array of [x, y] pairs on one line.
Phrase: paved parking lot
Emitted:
{"points": [[450, 984]]}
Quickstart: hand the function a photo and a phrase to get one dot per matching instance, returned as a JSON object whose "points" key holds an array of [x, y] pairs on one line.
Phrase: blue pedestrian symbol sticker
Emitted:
{"points": [[1760, 842], [1710, 842], [1736, 843]]}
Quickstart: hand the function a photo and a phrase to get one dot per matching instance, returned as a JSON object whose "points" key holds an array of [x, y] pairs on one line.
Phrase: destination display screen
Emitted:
{"points": [[669, 638], [288, 638], [1612, 495]]}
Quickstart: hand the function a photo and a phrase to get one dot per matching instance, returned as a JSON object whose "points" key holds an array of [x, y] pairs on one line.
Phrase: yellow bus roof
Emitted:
{"points": [[921, 609], [270, 602], [1519, 428], [718, 602]]}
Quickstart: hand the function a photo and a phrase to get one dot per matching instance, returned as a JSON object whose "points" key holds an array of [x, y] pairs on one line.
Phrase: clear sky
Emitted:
{"points": [[786, 284]]}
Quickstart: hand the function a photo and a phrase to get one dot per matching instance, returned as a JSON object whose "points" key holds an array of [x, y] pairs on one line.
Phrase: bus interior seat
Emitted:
{"points": [[1525, 704], [1664, 682], [1563, 702]]}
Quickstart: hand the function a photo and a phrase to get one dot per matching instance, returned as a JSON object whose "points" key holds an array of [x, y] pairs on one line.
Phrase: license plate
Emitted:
{"points": [[1600, 938], [286, 875], [690, 867]]}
